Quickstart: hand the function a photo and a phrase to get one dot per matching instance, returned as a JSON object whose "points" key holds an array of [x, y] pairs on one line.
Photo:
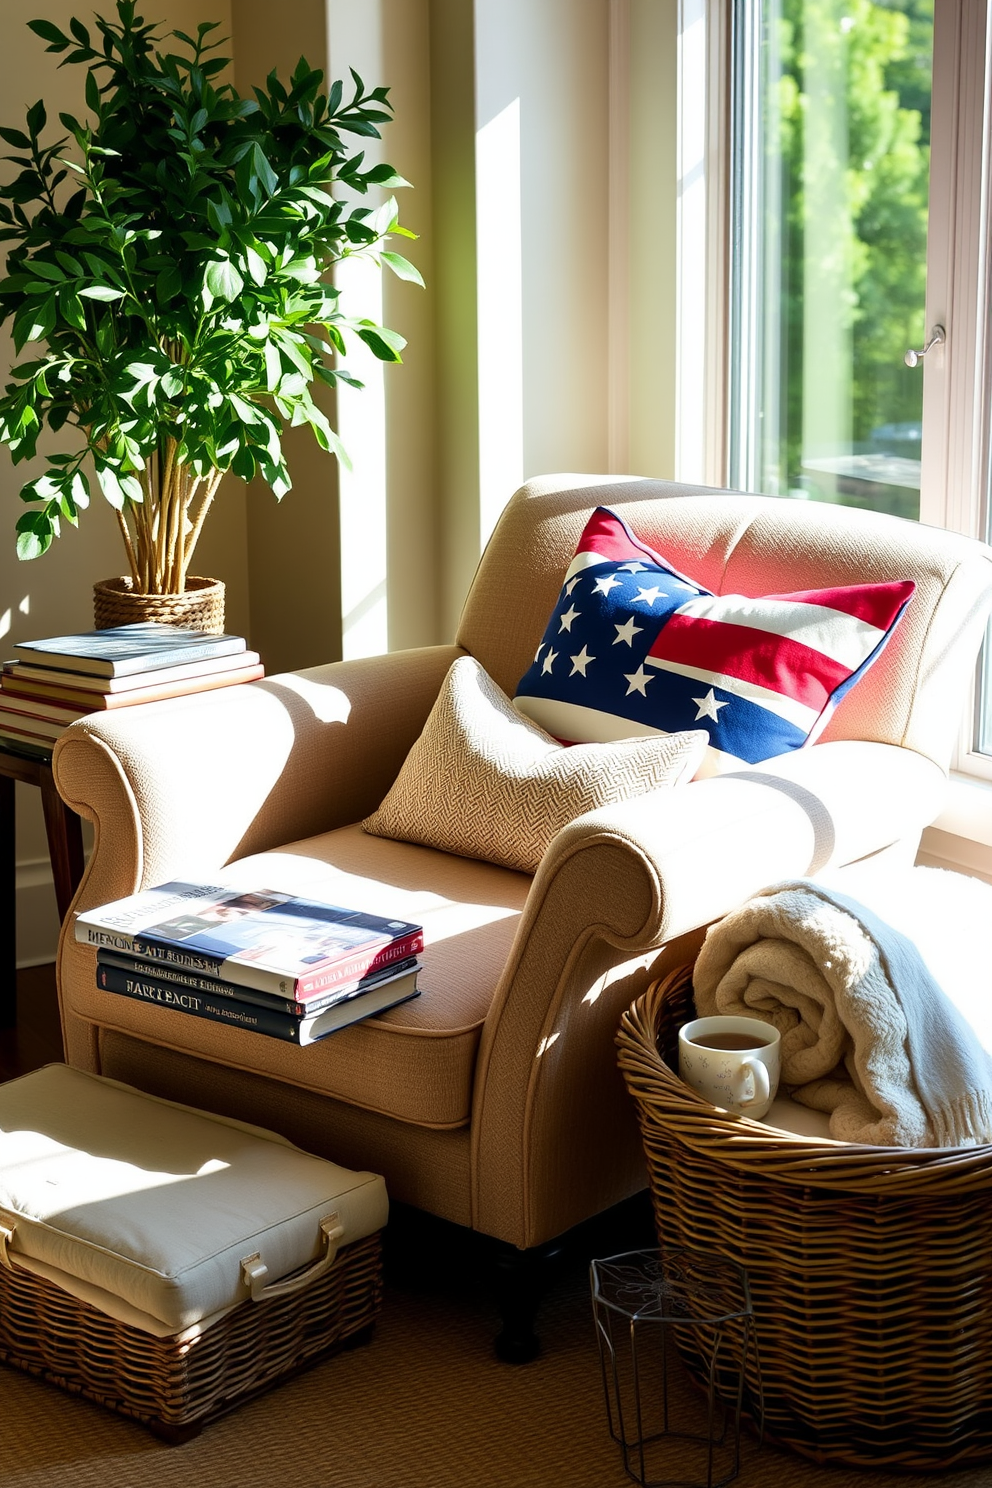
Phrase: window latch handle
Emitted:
{"points": [[937, 338]]}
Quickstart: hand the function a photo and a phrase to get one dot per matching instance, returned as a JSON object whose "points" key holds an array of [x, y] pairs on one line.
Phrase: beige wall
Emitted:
{"points": [[292, 545]]}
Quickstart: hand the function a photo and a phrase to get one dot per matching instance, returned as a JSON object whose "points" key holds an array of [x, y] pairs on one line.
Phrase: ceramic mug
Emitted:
{"points": [[734, 1062]]}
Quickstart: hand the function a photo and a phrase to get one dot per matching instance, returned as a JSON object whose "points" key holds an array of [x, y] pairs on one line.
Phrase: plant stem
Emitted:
{"points": [[129, 548], [213, 481]]}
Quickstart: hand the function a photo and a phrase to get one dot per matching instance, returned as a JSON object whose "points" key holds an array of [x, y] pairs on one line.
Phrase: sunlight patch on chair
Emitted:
{"points": [[328, 704]]}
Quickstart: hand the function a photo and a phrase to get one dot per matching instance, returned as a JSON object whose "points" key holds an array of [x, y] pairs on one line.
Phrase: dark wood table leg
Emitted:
{"points": [[8, 964], [65, 843]]}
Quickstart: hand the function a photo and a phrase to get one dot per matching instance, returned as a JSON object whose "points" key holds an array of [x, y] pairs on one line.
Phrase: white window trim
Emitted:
{"points": [[703, 239], [956, 378], [958, 386]]}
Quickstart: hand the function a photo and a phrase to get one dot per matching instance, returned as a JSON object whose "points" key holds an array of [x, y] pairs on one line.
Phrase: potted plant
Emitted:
{"points": [[168, 278]]}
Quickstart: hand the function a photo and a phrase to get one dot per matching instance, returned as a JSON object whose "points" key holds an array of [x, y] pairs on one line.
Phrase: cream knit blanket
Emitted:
{"points": [[869, 1034]]}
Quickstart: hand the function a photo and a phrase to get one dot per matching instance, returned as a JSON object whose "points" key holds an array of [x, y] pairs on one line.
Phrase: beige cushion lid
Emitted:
{"points": [[157, 1204]]}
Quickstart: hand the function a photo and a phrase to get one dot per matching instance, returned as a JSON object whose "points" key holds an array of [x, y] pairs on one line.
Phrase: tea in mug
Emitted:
{"points": [[729, 1041]]}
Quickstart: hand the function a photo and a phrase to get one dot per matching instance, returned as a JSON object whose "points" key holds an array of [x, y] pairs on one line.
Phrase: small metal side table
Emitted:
{"points": [[676, 1340], [65, 847]]}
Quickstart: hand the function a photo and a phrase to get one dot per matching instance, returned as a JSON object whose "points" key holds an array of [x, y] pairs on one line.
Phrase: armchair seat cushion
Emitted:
{"points": [[415, 1062]]}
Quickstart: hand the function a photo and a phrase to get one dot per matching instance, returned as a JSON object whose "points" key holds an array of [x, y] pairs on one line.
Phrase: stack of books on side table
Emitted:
{"points": [[51, 683], [272, 963]]}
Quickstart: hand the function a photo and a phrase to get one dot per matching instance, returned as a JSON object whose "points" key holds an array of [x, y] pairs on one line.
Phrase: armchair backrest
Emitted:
{"points": [[915, 693]]}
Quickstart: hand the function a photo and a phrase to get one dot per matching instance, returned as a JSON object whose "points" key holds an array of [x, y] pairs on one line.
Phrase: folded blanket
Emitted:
{"points": [[869, 1033]]}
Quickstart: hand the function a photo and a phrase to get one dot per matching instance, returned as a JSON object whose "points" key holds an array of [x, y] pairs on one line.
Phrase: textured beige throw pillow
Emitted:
{"points": [[484, 782]]}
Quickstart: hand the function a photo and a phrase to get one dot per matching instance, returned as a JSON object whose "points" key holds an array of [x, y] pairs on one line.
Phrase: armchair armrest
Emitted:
{"points": [[615, 886], [184, 786]]}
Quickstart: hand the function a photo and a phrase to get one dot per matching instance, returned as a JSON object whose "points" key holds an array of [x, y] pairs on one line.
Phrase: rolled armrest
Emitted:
{"points": [[716, 842], [615, 886], [182, 787]]}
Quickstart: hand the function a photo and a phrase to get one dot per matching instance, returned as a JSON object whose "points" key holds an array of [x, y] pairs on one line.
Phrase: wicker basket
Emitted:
{"points": [[175, 1387], [201, 607], [870, 1267]]}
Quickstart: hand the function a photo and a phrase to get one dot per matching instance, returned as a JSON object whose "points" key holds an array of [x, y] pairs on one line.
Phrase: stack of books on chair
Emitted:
{"points": [[51, 683], [272, 963]]}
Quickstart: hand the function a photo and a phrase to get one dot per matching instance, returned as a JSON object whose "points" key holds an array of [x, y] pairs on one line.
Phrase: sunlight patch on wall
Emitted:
{"points": [[362, 426], [500, 314]]}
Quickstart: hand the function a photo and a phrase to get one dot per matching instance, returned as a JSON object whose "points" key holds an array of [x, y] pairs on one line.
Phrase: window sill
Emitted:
{"points": [[961, 837]]}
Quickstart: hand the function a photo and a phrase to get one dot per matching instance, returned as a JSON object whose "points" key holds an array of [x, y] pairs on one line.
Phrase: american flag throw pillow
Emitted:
{"points": [[635, 647]]}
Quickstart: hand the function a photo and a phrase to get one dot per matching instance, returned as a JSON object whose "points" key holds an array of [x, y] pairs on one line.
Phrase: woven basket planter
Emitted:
{"points": [[201, 607], [870, 1267], [174, 1385]]}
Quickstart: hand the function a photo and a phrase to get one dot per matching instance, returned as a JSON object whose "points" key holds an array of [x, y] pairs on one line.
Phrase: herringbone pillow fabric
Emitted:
{"points": [[484, 782]]}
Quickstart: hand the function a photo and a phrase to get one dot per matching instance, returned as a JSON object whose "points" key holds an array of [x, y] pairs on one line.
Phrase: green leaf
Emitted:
{"points": [[102, 292], [37, 118], [47, 270], [273, 367], [384, 344], [264, 171], [71, 308], [35, 531], [38, 322], [384, 175], [51, 33], [80, 490], [112, 486], [168, 284], [256, 265], [16, 138], [223, 280], [246, 412], [243, 463], [402, 267]]}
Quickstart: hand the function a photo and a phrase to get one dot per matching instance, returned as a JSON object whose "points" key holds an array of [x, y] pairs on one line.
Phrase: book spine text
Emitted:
{"points": [[232, 1011]]}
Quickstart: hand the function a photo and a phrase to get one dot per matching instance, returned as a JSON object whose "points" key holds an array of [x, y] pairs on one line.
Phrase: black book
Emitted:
{"points": [[236, 1013], [119, 965]]}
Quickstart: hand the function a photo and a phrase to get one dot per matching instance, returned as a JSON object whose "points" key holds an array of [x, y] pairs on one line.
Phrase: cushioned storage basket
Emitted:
{"points": [[166, 1263], [870, 1267]]}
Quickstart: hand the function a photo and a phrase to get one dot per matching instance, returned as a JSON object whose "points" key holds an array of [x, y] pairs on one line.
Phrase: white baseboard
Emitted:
{"points": [[37, 915]]}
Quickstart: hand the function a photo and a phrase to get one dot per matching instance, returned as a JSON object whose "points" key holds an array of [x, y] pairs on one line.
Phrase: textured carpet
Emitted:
{"points": [[424, 1405]]}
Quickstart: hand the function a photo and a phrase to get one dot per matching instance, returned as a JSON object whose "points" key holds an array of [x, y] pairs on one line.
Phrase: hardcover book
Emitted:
{"points": [[122, 650], [114, 967], [264, 939], [72, 684], [237, 1012]]}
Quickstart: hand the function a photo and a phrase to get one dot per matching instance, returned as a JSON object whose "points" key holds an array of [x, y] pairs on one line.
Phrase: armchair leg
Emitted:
{"points": [[522, 1277]]}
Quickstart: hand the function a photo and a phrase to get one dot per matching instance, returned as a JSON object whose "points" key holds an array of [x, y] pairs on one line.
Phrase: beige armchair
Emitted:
{"points": [[494, 1099]]}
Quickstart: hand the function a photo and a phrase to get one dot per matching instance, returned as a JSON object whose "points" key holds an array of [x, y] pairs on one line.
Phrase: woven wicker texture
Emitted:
{"points": [[200, 608], [425, 1405], [869, 1266], [173, 1385]]}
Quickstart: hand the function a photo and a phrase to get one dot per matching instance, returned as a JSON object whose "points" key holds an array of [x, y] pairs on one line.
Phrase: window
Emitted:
{"points": [[858, 190], [829, 180]]}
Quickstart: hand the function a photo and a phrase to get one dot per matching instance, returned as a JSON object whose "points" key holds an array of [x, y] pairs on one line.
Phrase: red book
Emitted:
{"points": [[260, 938]]}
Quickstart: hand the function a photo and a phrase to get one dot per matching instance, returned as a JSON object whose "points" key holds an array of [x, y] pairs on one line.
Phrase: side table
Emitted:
{"points": [[65, 847]]}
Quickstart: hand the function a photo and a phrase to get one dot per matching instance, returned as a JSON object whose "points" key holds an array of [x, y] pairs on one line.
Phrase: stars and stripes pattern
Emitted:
{"points": [[635, 647]]}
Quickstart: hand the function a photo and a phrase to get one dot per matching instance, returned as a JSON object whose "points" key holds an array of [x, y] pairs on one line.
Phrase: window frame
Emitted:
{"points": [[957, 377]]}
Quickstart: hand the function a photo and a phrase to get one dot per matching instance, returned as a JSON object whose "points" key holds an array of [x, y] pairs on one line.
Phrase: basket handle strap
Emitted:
{"points": [[254, 1270], [6, 1240]]}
